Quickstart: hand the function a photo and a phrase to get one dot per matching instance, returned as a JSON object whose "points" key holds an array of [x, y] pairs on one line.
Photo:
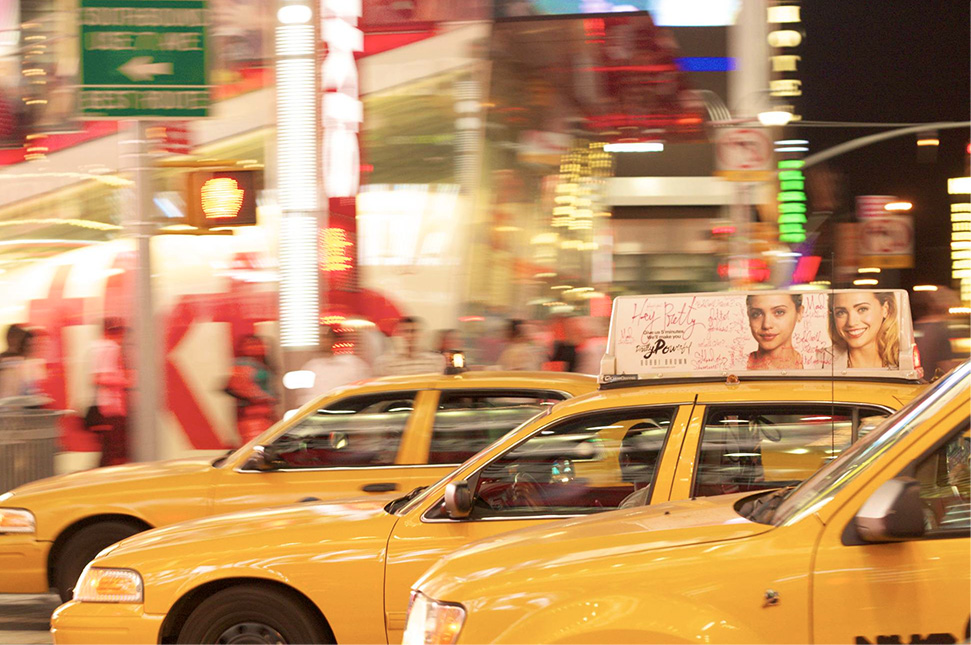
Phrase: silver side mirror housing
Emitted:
{"points": [[458, 499], [893, 513]]}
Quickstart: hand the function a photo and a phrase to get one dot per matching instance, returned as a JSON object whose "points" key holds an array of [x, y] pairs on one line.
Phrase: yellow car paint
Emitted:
{"points": [[700, 571], [353, 563], [149, 495]]}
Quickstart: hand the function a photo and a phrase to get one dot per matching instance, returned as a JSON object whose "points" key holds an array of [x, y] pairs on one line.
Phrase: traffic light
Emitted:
{"points": [[223, 197]]}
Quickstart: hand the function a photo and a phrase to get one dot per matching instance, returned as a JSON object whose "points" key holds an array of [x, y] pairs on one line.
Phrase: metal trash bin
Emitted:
{"points": [[28, 443]]}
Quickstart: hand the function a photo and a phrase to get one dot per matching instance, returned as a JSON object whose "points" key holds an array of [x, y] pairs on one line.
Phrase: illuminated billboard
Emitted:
{"points": [[666, 13]]}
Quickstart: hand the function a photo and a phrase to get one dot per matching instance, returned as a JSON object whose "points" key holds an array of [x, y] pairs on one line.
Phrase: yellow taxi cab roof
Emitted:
{"points": [[754, 390], [550, 380]]}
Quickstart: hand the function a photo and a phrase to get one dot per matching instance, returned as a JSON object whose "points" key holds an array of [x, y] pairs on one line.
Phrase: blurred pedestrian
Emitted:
{"points": [[594, 345], [521, 352], [331, 369], [932, 333], [565, 339], [112, 382], [12, 360], [251, 384], [406, 356]]}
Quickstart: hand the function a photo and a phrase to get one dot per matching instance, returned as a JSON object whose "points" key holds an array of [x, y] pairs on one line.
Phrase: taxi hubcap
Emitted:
{"points": [[245, 633]]}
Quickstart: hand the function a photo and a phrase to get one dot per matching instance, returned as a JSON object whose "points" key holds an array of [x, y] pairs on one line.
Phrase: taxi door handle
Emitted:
{"points": [[383, 487]]}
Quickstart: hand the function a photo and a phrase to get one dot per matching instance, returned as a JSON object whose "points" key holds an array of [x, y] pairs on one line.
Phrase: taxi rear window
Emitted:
{"points": [[752, 448]]}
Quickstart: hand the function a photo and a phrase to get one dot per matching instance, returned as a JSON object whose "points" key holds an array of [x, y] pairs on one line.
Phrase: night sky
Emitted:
{"points": [[900, 61]]}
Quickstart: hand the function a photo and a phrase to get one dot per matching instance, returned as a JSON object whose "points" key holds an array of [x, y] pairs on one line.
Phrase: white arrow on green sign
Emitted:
{"points": [[144, 59]]}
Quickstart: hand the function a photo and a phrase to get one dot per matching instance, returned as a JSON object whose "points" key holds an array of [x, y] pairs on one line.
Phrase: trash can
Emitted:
{"points": [[28, 443]]}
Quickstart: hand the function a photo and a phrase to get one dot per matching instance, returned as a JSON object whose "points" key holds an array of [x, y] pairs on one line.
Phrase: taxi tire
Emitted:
{"points": [[81, 549], [252, 605]]}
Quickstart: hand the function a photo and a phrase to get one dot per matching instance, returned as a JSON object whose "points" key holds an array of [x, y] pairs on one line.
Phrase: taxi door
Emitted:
{"points": [[572, 466], [915, 591], [360, 446]]}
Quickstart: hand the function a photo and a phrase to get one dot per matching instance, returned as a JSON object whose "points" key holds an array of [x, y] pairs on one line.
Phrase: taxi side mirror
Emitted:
{"points": [[893, 513], [458, 499]]}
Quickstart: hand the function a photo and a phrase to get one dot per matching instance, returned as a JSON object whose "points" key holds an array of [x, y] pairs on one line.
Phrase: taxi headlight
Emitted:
{"points": [[431, 622], [16, 520], [108, 585]]}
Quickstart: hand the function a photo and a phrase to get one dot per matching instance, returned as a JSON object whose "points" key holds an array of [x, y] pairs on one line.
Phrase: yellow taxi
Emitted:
{"points": [[385, 435], [873, 548], [341, 572]]}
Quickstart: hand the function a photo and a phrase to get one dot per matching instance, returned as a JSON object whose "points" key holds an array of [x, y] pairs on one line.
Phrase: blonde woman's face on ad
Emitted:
{"points": [[858, 317]]}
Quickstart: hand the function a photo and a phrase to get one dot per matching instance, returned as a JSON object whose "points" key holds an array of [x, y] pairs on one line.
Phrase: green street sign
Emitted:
{"points": [[143, 59]]}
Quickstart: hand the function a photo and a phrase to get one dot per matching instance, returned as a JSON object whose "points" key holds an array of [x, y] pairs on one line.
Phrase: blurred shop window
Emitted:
{"points": [[580, 466], [468, 421], [358, 431], [945, 486], [757, 448]]}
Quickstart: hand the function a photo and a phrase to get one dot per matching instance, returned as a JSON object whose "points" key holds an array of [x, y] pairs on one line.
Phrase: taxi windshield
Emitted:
{"points": [[827, 482]]}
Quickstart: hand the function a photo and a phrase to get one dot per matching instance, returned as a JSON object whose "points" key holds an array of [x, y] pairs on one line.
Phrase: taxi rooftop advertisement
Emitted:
{"points": [[845, 332]]}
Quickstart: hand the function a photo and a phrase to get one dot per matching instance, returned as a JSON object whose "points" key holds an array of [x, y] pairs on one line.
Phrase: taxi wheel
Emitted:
{"points": [[81, 548], [251, 615]]}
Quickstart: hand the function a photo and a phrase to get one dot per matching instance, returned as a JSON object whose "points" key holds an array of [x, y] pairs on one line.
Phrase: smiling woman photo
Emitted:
{"points": [[772, 319], [863, 328]]}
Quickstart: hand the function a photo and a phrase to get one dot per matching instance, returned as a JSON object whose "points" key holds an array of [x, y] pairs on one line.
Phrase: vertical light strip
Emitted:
{"points": [[299, 305], [297, 167]]}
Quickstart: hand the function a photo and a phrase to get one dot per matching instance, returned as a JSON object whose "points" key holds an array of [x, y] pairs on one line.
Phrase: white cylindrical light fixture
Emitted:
{"points": [[298, 171]]}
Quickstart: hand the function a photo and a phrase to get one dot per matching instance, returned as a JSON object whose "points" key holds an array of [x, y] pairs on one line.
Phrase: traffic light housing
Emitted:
{"points": [[220, 198]]}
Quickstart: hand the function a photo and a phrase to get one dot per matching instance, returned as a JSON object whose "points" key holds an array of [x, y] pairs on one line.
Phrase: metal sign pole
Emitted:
{"points": [[144, 404]]}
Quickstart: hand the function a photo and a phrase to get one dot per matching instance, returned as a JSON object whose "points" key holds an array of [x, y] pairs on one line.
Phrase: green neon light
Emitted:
{"points": [[791, 163], [792, 196]]}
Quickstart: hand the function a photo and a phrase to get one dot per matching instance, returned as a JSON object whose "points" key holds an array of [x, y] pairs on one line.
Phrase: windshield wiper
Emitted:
{"points": [[396, 504], [761, 509]]}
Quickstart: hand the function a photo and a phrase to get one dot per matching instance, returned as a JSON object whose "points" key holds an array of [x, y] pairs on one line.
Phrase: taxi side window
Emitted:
{"points": [[468, 421], [583, 465], [945, 487], [353, 432], [751, 448]]}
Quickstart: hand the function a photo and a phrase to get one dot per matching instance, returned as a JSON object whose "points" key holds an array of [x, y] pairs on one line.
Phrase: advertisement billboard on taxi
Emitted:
{"points": [[815, 333]]}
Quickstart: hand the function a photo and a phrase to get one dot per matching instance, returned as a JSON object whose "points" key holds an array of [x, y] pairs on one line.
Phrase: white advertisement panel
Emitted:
{"points": [[841, 332]]}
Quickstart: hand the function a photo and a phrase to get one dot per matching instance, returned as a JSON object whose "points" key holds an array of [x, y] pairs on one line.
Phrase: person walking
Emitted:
{"points": [[251, 384], [112, 381], [406, 358], [12, 361], [331, 369], [520, 353]]}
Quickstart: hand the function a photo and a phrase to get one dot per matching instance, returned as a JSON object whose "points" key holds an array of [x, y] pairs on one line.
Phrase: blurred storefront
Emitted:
{"points": [[489, 187]]}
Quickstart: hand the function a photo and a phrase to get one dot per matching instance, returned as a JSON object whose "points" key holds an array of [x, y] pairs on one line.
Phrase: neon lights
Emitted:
{"points": [[792, 202]]}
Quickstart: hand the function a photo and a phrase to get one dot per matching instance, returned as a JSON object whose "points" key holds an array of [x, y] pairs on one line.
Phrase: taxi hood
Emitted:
{"points": [[571, 543], [112, 475], [261, 528]]}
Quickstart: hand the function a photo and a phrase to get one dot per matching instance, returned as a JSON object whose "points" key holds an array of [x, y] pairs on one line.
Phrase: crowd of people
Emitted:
{"points": [[345, 356]]}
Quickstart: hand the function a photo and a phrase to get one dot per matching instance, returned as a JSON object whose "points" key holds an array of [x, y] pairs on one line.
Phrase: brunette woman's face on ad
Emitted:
{"points": [[772, 319]]}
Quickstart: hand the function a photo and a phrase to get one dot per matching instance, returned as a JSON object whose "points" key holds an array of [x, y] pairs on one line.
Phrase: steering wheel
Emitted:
{"points": [[764, 428], [523, 492]]}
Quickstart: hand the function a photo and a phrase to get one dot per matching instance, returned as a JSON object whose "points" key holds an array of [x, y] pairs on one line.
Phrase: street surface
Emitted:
{"points": [[25, 619]]}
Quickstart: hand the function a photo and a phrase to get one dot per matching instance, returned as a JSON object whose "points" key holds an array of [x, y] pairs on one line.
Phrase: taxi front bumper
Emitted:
{"points": [[94, 622], [23, 561]]}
